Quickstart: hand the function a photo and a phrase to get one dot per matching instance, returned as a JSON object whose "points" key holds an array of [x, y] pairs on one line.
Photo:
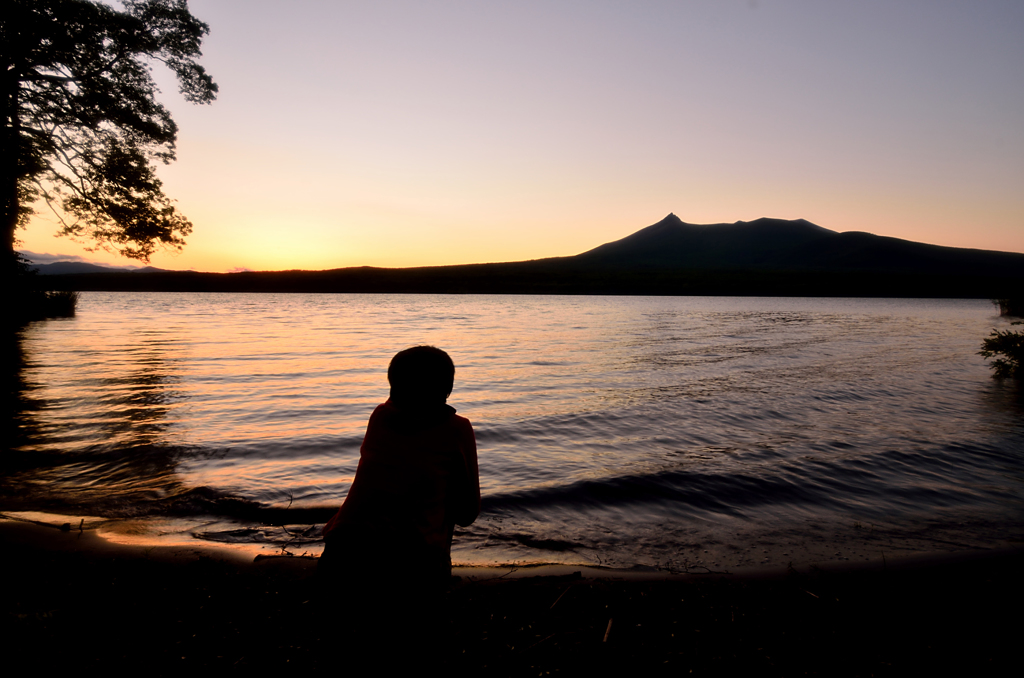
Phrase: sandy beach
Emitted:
{"points": [[75, 601]]}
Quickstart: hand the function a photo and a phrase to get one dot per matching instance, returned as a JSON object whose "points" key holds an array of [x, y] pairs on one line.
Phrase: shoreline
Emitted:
{"points": [[86, 539], [78, 601]]}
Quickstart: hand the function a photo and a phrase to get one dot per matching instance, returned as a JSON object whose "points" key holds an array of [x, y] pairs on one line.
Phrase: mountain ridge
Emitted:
{"points": [[781, 244], [766, 257]]}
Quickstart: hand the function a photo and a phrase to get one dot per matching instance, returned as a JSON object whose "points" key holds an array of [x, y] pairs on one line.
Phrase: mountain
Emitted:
{"points": [[766, 257], [673, 243], [799, 245]]}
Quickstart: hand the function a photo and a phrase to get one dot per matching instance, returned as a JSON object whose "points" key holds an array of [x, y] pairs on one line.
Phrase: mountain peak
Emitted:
{"points": [[673, 242], [671, 221]]}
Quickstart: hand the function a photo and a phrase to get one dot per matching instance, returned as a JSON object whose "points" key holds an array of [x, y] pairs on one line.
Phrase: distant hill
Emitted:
{"points": [[69, 267], [766, 257]]}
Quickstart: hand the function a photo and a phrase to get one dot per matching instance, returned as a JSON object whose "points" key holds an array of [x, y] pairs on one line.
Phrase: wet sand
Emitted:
{"points": [[73, 602]]}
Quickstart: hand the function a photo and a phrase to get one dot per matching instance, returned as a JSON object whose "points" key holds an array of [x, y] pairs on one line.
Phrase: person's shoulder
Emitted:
{"points": [[461, 423], [382, 413]]}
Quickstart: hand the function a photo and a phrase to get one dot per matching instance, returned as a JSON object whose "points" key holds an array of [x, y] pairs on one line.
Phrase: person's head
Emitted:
{"points": [[421, 376]]}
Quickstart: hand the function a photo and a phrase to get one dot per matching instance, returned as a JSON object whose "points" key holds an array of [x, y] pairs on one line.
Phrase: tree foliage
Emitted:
{"points": [[1007, 349], [83, 130]]}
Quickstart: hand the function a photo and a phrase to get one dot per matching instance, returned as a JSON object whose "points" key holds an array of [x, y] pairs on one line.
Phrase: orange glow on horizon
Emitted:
{"points": [[524, 131]]}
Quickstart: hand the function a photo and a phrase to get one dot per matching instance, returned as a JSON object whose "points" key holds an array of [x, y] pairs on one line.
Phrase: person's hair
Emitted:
{"points": [[421, 375]]}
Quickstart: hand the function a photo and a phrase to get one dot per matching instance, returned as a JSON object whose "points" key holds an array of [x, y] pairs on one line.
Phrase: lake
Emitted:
{"points": [[676, 433]]}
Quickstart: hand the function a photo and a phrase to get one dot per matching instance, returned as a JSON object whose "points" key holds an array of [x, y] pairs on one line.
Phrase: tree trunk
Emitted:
{"points": [[10, 163]]}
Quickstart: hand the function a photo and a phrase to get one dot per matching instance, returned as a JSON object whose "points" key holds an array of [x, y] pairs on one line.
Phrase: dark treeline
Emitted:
{"points": [[553, 277]]}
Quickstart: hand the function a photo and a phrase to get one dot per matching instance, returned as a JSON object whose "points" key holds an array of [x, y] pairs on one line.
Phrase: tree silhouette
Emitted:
{"points": [[82, 130]]}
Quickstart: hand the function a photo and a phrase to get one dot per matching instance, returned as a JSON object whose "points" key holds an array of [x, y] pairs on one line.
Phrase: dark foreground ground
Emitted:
{"points": [[71, 607]]}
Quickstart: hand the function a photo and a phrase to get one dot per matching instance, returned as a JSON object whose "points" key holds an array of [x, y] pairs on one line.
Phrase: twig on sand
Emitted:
{"points": [[526, 649], [288, 555], [479, 581], [707, 570], [295, 537], [560, 597], [514, 568], [607, 631]]}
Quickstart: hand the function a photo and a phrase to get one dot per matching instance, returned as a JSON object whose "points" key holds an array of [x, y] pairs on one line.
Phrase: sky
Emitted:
{"points": [[407, 133]]}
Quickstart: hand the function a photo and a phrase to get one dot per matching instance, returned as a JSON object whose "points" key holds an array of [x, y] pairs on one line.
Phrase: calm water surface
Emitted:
{"points": [[665, 432]]}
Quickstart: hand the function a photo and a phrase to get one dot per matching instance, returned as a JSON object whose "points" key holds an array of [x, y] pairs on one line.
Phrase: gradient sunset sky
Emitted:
{"points": [[402, 133]]}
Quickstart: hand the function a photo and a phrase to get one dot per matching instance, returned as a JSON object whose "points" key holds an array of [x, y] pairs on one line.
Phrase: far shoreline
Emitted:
{"points": [[541, 282]]}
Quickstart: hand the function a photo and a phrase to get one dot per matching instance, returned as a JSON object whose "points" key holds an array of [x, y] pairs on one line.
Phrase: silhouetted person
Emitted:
{"points": [[387, 557]]}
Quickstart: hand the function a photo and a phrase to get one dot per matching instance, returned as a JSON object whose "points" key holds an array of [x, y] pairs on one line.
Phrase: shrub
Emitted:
{"points": [[60, 304], [23, 301], [25, 305], [1007, 349], [1012, 306]]}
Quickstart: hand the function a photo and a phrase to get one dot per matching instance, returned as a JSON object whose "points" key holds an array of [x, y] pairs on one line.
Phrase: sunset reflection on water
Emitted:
{"points": [[612, 430]]}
